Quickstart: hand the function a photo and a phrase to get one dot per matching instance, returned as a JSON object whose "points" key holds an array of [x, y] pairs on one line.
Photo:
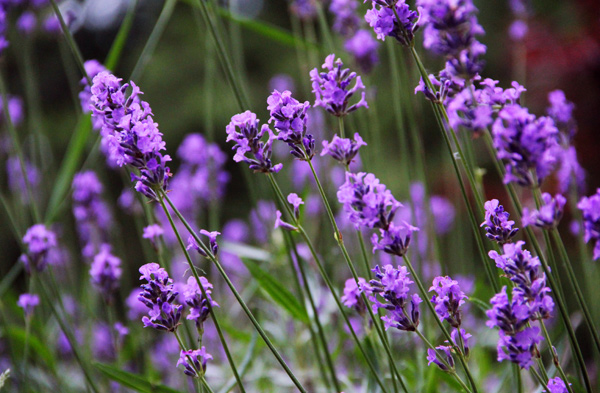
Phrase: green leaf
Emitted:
{"points": [[119, 43], [277, 291], [132, 381]]}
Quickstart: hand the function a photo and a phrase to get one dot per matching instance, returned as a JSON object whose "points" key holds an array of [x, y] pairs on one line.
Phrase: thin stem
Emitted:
{"points": [[341, 125], [199, 388], [236, 294], [555, 360], [209, 305]]}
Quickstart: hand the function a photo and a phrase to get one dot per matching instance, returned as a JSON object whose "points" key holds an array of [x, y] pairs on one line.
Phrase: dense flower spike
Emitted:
{"points": [[159, 296], [92, 215], [194, 361], [393, 240], [343, 149], [525, 143], [526, 272], [400, 23], [332, 88], [517, 342], [498, 227], [393, 286], [198, 304], [590, 208], [92, 68], [363, 48], [212, 238], [352, 296], [130, 132], [556, 385], [450, 30], [448, 299], [105, 272], [248, 140], [28, 302], [548, 215], [39, 241], [290, 117]]}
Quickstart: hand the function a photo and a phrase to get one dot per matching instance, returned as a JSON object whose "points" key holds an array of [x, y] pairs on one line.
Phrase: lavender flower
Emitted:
{"points": [[248, 140], [39, 241], [152, 233], [199, 305], [400, 25], [525, 143], [561, 111], [590, 209], [443, 213], [130, 132], [159, 296], [498, 227], [352, 296], [363, 48], [295, 201], [26, 22], [15, 104], [343, 149], [281, 82], [212, 238], [105, 272], [279, 223], [393, 286], [135, 308], [570, 171], [92, 68], [332, 88], [548, 215], [395, 239], [290, 117], [346, 21], [28, 302], [556, 385], [448, 299], [194, 362], [432, 357]]}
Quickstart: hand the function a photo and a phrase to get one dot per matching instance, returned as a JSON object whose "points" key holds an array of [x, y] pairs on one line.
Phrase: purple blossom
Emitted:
{"points": [[363, 48], [194, 362], [28, 302], [105, 272], [460, 338], [518, 30], [498, 227], [248, 140], [130, 133], [135, 308], [352, 296], [590, 209], [213, 246], [281, 82], [525, 143], [332, 88], [384, 22], [393, 286], [92, 68], [432, 357], [346, 21], [549, 213], [39, 242], [448, 299], [561, 111], [15, 104], [443, 214], [343, 149], [199, 305], [393, 240], [159, 296], [279, 223], [294, 200], [570, 172], [556, 385], [153, 232], [26, 22]]}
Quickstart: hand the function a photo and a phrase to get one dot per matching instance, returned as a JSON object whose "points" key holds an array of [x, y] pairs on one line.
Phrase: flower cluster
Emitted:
{"points": [[590, 209], [393, 285], [159, 296], [352, 296], [39, 242], [556, 385], [525, 143], [332, 88], [343, 149], [92, 215], [212, 238], [460, 341], [248, 140], [549, 213], [194, 361], [289, 117], [92, 68], [448, 299], [130, 133], [498, 227], [199, 305], [393, 18], [450, 31], [105, 272]]}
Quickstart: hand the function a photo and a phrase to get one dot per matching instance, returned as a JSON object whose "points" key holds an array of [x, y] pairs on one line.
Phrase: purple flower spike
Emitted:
{"points": [[332, 88], [384, 22], [39, 242], [159, 296], [352, 297], [590, 208], [105, 272], [363, 47], [498, 227], [548, 215], [28, 302], [194, 362], [448, 299], [432, 357], [556, 385], [243, 130], [212, 238], [343, 149], [198, 304], [394, 240]]}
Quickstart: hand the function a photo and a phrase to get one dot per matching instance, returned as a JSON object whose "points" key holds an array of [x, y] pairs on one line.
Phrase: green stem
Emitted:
{"points": [[555, 360], [197, 385], [341, 125], [236, 294], [209, 305]]}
